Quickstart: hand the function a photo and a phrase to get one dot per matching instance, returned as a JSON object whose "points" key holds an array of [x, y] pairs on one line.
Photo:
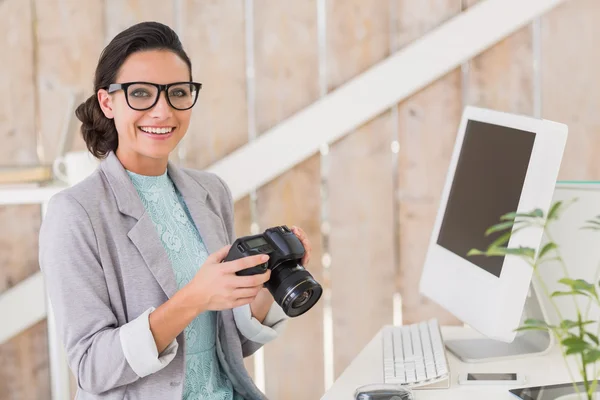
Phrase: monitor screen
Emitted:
{"points": [[487, 184]]}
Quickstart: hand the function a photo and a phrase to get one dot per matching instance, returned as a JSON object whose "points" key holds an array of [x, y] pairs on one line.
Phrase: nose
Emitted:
{"points": [[161, 109]]}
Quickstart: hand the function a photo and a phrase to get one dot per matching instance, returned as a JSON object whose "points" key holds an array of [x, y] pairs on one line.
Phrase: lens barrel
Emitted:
{"points": [[293, 288]]}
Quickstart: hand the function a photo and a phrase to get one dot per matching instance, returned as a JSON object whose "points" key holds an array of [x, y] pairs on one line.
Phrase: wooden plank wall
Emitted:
{"points": [[427, 124], [570, 84], [286, 71], [24, 368], [502, 77], [360, 187], [54, 46], [69, 38]]}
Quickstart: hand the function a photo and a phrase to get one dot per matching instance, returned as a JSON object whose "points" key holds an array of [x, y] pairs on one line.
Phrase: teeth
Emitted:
{"points": [[158, 131]]}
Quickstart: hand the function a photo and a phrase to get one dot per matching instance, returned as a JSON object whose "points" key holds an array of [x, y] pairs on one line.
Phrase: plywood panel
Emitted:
{"points": [[24, 374], [427, 124], [360, 187], [17, 83], [286, 64], [121, 14], [501, 78], [24, 370], [214, 37], [570, 84], [69, 38]]}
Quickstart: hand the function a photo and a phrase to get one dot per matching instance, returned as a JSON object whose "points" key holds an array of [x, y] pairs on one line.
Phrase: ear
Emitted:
{"points": [[106, 105]]}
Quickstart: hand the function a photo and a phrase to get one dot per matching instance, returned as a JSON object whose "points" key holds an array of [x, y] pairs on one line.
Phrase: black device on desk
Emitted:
{"points": [[548, 392], [383, 391], [292, 286]]}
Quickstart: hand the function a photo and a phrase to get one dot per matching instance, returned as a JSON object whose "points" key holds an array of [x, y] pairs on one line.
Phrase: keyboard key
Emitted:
{"points": [[430, 371]]}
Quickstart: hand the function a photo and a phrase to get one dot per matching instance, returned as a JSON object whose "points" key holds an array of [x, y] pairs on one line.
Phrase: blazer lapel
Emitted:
{"points": [[143, 234], [209, 225]]}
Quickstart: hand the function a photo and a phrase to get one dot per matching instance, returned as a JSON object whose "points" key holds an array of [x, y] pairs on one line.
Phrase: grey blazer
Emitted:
{"points": [[104, 267]]}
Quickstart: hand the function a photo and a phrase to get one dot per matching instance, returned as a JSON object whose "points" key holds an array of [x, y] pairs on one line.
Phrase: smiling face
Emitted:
{"points": [[146, 138]]}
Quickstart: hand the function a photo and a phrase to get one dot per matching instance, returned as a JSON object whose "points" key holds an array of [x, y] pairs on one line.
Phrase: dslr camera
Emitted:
{"points": [[292, 286]]}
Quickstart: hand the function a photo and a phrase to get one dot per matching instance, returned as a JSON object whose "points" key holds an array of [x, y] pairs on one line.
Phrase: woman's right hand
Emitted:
{"points": [[217, 287]]}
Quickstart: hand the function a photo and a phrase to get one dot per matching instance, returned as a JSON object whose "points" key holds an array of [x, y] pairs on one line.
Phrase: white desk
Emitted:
{"points": [[367, 368]]}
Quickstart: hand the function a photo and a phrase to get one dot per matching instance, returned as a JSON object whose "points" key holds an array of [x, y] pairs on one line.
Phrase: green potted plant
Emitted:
{"points": [[577, 338]]}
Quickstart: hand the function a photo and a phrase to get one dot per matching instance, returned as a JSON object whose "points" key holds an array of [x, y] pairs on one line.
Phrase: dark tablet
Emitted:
{"points": [[548, 392]]}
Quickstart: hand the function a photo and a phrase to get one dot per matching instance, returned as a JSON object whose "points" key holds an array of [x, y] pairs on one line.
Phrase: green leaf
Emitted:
{"points": [[593, 224], [531, 328], [569, 324], [593, 338], [579, 285], [500, 227], [511, 216], [553, 213], [475, 252], [590, 228], [502, 251], [571, 293], [502, 240], [536, 322], [538, 213], [591, 356], [548, 247], [575, 345]]}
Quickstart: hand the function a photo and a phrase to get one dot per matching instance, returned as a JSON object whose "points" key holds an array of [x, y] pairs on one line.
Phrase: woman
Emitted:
{"points": [[143, 310]]}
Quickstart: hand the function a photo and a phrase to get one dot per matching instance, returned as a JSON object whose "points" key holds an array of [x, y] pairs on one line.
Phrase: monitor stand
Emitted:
{"points": [[526, 343]]}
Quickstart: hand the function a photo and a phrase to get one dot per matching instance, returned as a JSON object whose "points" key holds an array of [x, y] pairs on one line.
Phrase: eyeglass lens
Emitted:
{"points": [[142, 96]]}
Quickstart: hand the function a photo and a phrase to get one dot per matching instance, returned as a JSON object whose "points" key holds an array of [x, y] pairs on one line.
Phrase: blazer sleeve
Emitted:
{"points": [[253, 334], [75, 282]]}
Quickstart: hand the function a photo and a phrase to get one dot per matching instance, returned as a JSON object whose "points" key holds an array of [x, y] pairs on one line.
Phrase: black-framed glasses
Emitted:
{"points": [[142, 96]]}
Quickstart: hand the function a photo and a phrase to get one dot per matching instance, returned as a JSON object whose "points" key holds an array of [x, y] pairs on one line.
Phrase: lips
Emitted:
{"points": [[157, 130], [157, 133]]}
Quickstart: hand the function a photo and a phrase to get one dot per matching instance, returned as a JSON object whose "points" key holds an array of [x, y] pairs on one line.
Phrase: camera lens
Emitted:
{"points": [[293, 288], [302, 299]]}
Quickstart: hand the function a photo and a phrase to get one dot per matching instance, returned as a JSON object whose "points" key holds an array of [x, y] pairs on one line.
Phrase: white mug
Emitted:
{"points": [[74, 166]]}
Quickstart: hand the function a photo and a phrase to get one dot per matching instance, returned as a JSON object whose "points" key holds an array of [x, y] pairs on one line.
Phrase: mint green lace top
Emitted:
{"points": [[204, 377]]}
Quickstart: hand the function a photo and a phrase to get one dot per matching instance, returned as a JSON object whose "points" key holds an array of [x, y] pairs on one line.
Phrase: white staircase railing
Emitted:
{"points": [[376, 90]]}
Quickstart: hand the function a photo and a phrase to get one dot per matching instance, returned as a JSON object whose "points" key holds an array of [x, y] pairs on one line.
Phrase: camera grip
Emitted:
{"points": [[257, 269]]}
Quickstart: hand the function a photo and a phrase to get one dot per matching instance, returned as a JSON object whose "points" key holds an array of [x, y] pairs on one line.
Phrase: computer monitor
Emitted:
{"points": [[501, 163]]}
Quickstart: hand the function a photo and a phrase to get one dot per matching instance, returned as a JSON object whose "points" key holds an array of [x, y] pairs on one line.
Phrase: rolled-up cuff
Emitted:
{"points": [[275, 318], [140, 349], [253, 330]]}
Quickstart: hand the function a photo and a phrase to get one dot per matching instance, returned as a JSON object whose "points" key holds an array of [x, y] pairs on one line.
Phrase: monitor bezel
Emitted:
{"points": [[493, 305]]}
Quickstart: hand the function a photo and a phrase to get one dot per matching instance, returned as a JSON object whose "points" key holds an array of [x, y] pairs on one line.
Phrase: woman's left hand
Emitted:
{"points": [[305, 242]]}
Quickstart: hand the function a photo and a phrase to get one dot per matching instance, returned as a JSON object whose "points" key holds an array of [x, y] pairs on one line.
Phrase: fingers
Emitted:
{"points": [[244, 263], [305, 242], [241, 302], [242, 293], [251, 280], [219, 255]]}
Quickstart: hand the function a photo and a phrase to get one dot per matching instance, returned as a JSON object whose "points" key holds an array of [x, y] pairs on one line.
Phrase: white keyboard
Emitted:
{"points": [[414, 355]]}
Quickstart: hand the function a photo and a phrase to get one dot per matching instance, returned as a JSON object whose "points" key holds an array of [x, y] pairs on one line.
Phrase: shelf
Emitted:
{"points": [[28, 194]]}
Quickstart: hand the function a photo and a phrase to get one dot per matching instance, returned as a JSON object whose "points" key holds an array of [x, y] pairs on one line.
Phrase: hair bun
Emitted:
{"points": [[98, 132]]}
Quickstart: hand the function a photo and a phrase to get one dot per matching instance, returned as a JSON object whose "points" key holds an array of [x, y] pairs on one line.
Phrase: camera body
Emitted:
{"points": [[292, 286]]}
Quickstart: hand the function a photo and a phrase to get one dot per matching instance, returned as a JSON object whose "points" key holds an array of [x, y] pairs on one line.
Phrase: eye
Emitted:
{"points": [[139, 93], [178, 93]]}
